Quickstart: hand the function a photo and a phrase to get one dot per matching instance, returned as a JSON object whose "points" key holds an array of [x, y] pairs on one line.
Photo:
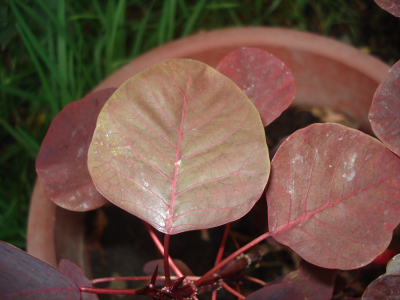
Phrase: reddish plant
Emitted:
{"points": [[182, 147]]}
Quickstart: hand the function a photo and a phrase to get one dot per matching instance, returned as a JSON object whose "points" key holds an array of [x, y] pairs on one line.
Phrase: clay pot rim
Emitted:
{"points": [[313, 43]]}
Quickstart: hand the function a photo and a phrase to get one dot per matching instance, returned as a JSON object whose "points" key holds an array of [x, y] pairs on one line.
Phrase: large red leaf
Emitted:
{"points": [[391, 6], [62, 160], [384, 113], [315, 282], [180, 146], [25, 277], [386, 287], [280, 291], [265, 79], [77, 276], [334, 196]]}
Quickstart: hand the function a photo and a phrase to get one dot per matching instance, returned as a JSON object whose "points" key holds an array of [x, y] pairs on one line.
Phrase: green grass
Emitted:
{"points": [[54, 52]]}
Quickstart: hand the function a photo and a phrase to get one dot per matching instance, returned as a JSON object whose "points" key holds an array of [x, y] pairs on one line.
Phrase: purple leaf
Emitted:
{"points": [[384, 113], [279, 291], [334, 196], [181, 147], [315, 282], [25, 277], [391, 6], [265, 79], [393, 267], [76, 274], [384, 287], [62, 160]]}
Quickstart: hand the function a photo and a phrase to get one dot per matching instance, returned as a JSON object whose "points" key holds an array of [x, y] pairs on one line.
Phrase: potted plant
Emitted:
{"points": [[331, 196]]}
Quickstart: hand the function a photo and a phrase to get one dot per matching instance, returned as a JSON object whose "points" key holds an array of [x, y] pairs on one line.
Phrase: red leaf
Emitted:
{"points": [[265, 79], [391, 6], [393, 267], [315, 282], [76, 274], [385, 287], [334, 196], [279, 291], [62, 160], [25, 277], [384, 113], [180, 146]]}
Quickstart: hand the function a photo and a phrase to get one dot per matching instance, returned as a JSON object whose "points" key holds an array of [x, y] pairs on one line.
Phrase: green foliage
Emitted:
{"points": [[54, 52]]}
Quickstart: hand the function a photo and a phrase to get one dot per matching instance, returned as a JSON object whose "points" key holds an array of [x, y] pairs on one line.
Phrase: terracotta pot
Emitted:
{"points": [[327, 73]]}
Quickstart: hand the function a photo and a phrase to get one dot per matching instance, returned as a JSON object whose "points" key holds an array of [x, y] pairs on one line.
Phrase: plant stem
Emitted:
{"points": [[231, 290], [138, 278], [223, 242], [256, 280], [231, 257], [107, 291], [161, 248], [166, 264]]}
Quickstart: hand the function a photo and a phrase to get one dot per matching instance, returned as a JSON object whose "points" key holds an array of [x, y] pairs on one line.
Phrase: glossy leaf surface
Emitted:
{"points": [[385, 287], [279, 291], [77, 276], [265, 79], [334, 196], [393, 267], [25, 277], [180, 146], [384, 113], [391, 6], [62, 161], [316, 283]]}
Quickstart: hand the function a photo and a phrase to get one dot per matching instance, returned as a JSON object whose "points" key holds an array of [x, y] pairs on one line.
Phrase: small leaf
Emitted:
{"points": [[25, 277], [384, 287], [384, 113], [62, 160], [265, 79], [315, 282], [180, 146], [391, 6], [279, 291], [393, 267], [334, 196], [78, 277]]}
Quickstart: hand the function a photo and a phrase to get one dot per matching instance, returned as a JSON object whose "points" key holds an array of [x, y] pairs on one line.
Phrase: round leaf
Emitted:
{"points": [[25, 277], [279, 291], [393, 267], [384, 287], [62, 161], [265, 79], [180, 146], [384, 113], [334, 196], [316, 283], [391, 6]]}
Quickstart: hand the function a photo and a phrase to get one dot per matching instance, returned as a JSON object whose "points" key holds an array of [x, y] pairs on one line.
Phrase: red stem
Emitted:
{"points": [[166, 265], [161, 248], [223, 242], [230, 257], [106, 279], [107, 291], [231, 290], [255, 280], [214, 295]]}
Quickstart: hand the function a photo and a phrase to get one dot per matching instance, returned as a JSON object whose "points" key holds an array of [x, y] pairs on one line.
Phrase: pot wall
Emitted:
{"points": [[327, 73]]}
